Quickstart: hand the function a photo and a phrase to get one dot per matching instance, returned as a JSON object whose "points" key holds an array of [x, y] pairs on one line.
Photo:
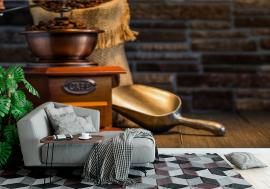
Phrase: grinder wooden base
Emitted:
{"points": [[89, 86]]}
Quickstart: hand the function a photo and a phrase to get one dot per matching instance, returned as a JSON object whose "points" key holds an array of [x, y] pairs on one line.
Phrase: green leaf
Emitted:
{"points": [[28, 106], [5, 153], [2, 80], [18, 98], [18, 112], [30, 88], [20, 105], [14, 75], [4, 106], [2, 70], [16, 72], [11, 134], [19, 74], [11, 84], [2, 85]]}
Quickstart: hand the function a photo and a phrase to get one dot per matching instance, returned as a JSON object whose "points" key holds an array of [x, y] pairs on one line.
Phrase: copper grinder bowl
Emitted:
{"points": [[66, 45]]}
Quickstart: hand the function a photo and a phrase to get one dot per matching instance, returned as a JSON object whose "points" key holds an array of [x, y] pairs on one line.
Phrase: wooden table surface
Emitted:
{"points": [[94, 140], [244, 130]]}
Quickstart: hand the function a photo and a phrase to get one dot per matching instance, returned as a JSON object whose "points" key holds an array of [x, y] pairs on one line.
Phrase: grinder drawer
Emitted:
{"points": [[80, 89]]}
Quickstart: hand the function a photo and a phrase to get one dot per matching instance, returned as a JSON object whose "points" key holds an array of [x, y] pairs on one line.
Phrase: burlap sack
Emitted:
{"points": [[114, 56], [112, 17]]}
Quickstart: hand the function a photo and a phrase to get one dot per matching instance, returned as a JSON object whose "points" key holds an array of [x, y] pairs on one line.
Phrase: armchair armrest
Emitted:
{"points": [[31, 129]]}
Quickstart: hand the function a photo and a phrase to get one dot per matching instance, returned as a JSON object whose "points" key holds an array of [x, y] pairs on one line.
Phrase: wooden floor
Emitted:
{"points": [[244, 130]]}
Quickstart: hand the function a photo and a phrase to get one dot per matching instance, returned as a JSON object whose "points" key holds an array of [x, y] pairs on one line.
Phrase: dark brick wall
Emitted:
{"points": [[12, 45], [214, 53]]}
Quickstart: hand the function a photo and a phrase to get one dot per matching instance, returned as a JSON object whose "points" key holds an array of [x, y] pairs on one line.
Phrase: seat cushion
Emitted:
{"points": [[143, 152], [66, 154]]}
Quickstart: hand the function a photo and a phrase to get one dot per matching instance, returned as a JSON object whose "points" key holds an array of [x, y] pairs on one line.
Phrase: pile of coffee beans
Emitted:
{"points": [[57, 23], [59, 5], [54, 6], [78, 4]]}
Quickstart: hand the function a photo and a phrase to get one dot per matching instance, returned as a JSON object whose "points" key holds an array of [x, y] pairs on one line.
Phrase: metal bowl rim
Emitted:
{"points": [[71, 31]]}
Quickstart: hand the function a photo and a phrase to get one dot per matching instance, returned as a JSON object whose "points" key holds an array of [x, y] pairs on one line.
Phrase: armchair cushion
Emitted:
{"points": [[64, 120]]}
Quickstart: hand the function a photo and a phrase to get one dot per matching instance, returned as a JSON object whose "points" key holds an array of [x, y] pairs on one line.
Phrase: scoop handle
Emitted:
{"points": [[211, 126]]}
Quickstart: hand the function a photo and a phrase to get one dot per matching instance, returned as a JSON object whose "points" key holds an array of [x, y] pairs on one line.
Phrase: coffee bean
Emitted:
{"points": [[57, 23], [65, 22], [61, 18], [70, 26], [58, 6]]}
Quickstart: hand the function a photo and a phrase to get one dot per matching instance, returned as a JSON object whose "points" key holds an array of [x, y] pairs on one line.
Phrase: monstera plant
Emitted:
{"points": [[13, 106]]}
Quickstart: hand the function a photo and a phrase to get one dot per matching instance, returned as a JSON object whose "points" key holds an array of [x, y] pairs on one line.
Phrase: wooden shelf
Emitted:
{"points": [[87, 104], [77, 71]]}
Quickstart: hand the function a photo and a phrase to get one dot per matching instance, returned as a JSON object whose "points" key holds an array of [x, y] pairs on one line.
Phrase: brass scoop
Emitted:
{"points": [[156, 110]]}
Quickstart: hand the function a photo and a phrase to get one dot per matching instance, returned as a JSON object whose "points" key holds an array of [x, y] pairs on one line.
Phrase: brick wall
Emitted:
{"points": [[214, 53]]}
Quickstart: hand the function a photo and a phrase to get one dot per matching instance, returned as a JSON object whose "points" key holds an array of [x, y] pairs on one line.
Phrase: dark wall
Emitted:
{"points": [[213, 53], [12, 44]]}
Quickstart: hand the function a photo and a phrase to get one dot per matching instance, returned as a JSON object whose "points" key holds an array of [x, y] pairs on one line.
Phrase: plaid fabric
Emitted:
{"points": [[113, 158]]}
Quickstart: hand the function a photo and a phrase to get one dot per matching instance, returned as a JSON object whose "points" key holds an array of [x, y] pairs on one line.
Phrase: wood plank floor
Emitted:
{"points": [[244, 130]]}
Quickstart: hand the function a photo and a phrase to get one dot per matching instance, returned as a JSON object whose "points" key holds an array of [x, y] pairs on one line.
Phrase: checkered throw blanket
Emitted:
{"points": [[113, 158]]}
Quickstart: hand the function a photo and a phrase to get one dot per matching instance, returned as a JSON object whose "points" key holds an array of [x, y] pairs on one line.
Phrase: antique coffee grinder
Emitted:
{"points": [[61, 41], [61, 71]]}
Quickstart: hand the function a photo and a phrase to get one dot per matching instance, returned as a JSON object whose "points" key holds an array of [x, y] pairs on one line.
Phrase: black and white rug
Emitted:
{"points": [[187, 171]]}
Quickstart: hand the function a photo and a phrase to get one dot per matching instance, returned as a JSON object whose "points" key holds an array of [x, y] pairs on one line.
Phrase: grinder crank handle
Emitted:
{"points": [[211, 126], [2, 11]]}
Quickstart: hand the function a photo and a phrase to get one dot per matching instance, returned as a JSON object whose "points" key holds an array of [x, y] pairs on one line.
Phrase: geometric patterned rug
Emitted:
{"points": [[186, 171]]}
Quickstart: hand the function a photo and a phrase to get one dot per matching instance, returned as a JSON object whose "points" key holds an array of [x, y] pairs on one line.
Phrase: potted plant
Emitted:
{"points": [[13, 106]]}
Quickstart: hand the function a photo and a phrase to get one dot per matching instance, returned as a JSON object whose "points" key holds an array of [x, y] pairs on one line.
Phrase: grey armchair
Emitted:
{"points": [[36, 126]]}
